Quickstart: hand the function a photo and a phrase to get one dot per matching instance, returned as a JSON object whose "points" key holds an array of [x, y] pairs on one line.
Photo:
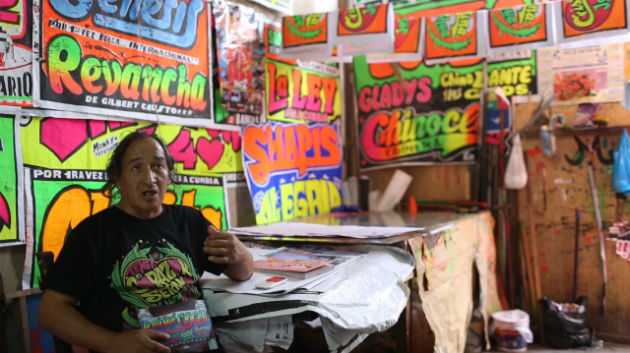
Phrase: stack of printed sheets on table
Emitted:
{"points": [[363, 292], [304, 263]]}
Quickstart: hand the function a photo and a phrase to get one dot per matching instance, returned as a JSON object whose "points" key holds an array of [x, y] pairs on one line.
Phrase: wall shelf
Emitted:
{"points": [[599, 130]]}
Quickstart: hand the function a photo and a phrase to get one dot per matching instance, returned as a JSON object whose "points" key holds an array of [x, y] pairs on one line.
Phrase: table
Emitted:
{"points": [[445, 255], [442, 256]]}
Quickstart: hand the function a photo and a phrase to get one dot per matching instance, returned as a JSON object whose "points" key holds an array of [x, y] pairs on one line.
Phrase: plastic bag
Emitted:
{"points": [[565, 324], [515, 172], [510, 329], [621, 165]]}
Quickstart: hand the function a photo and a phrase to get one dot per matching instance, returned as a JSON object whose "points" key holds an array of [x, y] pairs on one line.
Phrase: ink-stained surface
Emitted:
{"points": [[560, 185]]}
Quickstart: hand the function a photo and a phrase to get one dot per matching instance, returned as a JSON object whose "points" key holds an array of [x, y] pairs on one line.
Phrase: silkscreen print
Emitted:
{"points": [[299, 91], [65, 166], [299, 94], [16, 53], [519, 28], [124, 59], [240, 52], [452, 36], [292, 170], [83, 144], [439, 7], [61, 199], [450, 25], [581, 17], [11, 184], [431, 115]]}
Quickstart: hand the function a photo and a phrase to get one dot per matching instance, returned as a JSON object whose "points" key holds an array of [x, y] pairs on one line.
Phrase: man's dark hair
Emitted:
{"points": [[114, 166]]}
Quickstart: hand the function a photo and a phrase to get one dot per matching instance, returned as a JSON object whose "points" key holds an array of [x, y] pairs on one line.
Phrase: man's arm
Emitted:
{"points": [[225, 248], [58, 314]]}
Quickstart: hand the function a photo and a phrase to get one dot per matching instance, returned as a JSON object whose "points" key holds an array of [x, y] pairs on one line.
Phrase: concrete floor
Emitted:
{"points": [[608, 347]]}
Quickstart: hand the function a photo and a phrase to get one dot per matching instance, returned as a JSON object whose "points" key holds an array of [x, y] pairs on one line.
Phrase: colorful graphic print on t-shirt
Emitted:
{"points": [[152, 275]]}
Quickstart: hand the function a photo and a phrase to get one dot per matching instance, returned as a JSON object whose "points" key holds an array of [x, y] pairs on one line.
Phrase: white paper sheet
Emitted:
{"points": [[293, 229]]}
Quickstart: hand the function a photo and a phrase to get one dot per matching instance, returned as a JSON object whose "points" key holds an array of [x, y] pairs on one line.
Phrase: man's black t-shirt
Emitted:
{"points": [[114, 263]]}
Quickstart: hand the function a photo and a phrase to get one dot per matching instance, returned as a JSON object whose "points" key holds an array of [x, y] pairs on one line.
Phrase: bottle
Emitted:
{"points": [[546, 141]]}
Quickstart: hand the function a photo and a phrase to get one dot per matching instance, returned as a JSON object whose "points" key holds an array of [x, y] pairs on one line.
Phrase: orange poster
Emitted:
{"points": [[451, 36], [407, 34], [589, 16], [430, 8], [371, 19], [302, 30], [140, 61], [524, 24]]}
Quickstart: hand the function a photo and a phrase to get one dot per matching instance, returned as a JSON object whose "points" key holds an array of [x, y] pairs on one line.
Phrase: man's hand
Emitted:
{"points": [[225, 248], [139, 341]]}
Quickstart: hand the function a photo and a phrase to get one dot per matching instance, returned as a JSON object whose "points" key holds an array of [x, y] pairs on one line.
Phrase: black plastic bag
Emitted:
{"points": [[565, 324]]}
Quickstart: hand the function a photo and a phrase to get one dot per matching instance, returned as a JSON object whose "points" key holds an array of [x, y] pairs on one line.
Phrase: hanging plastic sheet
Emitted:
{"points": [[516, 172], [621, 165]]}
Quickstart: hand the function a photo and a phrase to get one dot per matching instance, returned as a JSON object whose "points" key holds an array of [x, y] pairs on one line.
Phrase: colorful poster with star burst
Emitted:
{"points": [[11, 184]]}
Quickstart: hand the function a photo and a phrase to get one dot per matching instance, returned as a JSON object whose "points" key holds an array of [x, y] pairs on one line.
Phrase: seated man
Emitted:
{"points": [[138, 254]]}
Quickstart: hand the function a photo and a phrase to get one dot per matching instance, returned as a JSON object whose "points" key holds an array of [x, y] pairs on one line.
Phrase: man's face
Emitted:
{"points": [[143, 179]]}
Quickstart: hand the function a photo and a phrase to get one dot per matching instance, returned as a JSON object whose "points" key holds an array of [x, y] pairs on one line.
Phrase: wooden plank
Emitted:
{"points": [[24, 332]]}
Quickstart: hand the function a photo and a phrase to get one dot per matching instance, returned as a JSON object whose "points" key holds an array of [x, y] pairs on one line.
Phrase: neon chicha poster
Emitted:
{"points": [[16, 53], [299, 91], [292, 170], [11, 184], [105, 58], [431, 115], [65, 172]]}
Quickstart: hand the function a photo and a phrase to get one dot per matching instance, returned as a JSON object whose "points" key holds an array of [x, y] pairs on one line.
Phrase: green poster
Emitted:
{"points": [[11, 208]]}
